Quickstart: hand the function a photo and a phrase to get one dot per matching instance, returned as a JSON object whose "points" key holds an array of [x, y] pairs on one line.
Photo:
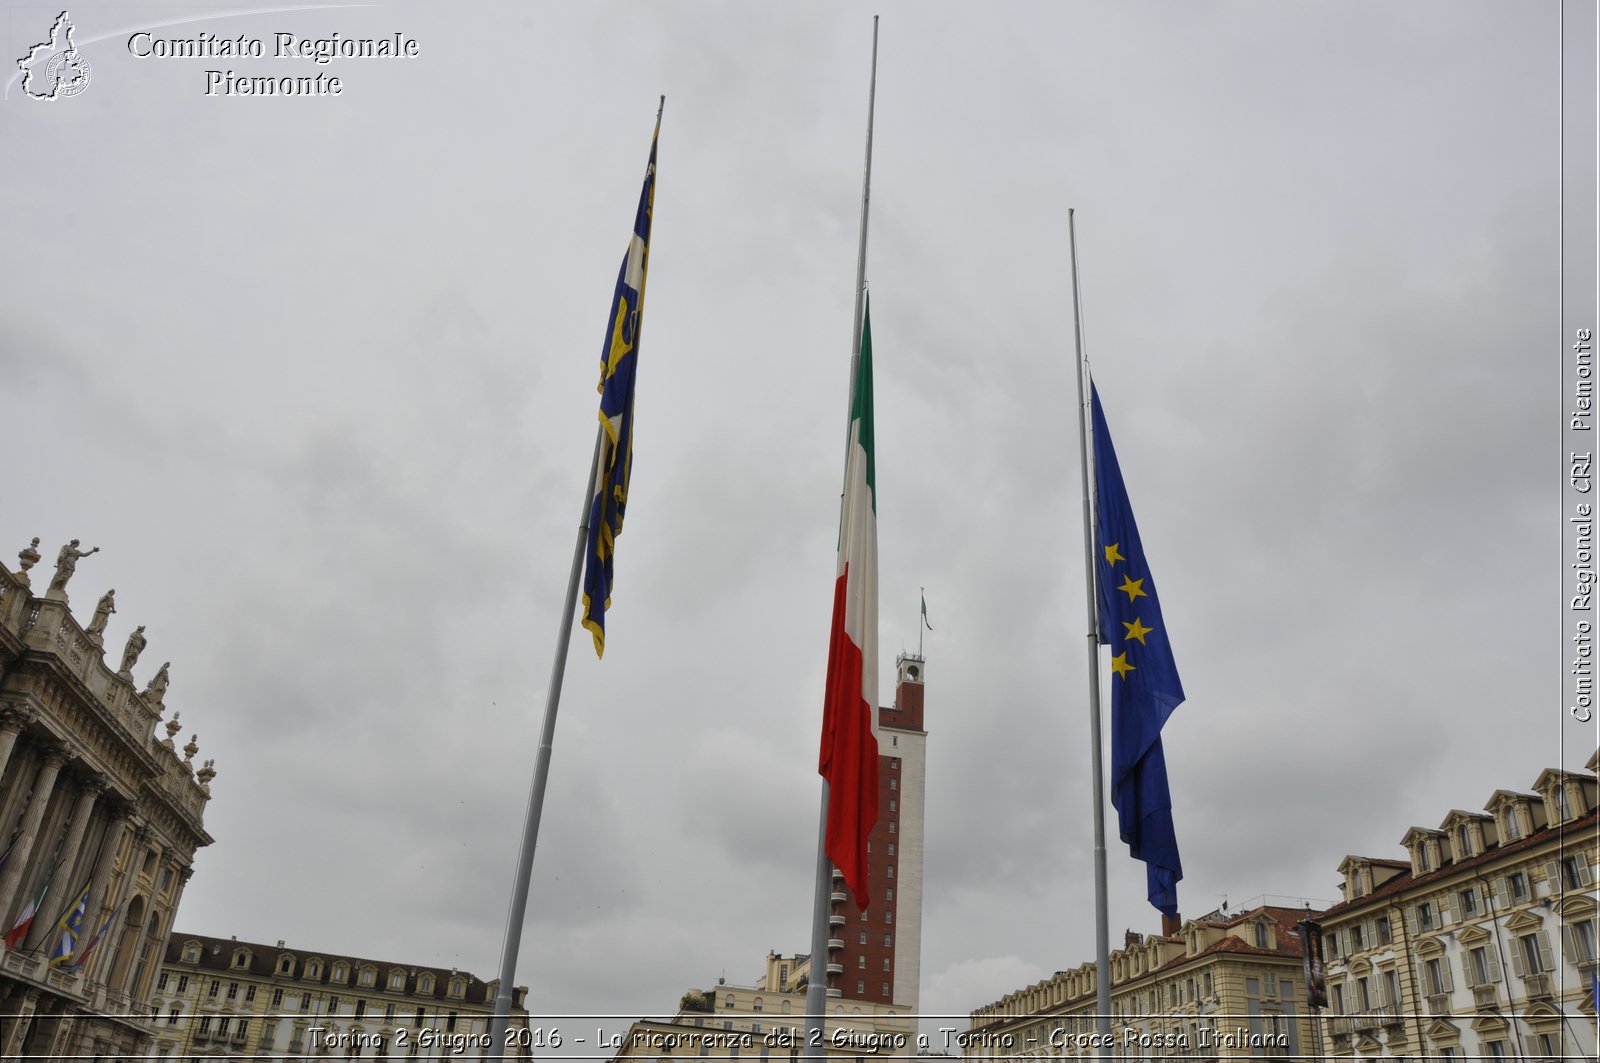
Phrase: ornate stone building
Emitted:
{"points": [[236, 999], [100, 818], [1221, 987], [1480, 945]]}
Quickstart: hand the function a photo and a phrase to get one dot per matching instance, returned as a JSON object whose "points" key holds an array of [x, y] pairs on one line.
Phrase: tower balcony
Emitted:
{"points": [[836, 919], [835, 944], [837, 897], [836, 968]]}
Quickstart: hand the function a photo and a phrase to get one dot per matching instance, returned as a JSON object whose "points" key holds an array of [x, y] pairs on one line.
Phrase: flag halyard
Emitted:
{"points": [[849, 752], [1145, 684], [618, 366]]}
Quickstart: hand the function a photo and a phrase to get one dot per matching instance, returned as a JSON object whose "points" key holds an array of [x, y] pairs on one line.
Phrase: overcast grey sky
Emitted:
{"points": [[317, 375]]}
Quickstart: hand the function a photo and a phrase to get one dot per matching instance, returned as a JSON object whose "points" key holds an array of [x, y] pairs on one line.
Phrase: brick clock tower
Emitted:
{"points": [[876, 955]]}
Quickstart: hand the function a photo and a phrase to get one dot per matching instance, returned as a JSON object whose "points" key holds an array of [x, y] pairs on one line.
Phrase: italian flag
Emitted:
{"points": [[19, 929], [849, 760]]}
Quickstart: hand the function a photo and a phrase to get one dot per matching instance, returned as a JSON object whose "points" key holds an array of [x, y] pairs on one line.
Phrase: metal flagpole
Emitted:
{"points": [[1102, 934], [505, 995], [817, 986], [501, 1019]]}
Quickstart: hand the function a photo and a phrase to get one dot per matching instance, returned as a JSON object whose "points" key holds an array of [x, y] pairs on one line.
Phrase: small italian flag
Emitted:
{"points": [[19, 929], [849, 759]]}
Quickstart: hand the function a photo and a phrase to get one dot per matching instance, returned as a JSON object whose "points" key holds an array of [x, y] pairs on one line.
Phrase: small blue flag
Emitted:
{"points": [[618, 362], [71, 927], [1144, 684]]}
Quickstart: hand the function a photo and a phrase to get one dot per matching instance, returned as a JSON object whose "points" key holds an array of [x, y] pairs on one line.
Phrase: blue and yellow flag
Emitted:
{"points": [[1144, 684], [619, 359], [69, 927]]}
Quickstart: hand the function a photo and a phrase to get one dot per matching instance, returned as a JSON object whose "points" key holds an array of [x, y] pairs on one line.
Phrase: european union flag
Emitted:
{"points": [[1145, 686], [618, 363]]}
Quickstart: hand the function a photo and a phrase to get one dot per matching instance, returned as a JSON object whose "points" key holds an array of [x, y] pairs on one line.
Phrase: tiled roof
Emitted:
{"points": [[216, 954], [1406, 881]]}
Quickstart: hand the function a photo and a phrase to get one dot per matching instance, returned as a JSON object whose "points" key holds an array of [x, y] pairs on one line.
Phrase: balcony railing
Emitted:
{"points": [[837, 897], [1438, 1003], [1537, 986], [1485, 996]]}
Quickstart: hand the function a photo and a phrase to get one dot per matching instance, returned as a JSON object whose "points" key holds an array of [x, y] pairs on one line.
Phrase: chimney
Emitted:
{"points": [[1171, 924], [1130, 939]]}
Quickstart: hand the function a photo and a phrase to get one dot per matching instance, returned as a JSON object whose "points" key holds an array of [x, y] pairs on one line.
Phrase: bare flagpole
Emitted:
{"points": [[817, 985], [504, 996], [1102, 933]]}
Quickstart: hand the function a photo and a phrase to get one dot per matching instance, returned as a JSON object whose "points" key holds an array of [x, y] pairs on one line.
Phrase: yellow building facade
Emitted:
{"points": [[1221, 988], [232, 999], [1481, 943]]}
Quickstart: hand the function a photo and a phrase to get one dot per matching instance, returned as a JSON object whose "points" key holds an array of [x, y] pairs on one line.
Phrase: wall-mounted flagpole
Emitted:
{"points": [[505, 995], [1102, 933], [817, 985]]}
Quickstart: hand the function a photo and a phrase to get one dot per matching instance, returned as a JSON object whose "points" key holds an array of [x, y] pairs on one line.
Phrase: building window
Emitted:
{"points": [[886, 963], [861, 962], [891, 826], [388, 1013], [211, 993], [892, 806], [861, 986], [1425, 915], [1517, 883], [333, 1005], [191, 953], [369, 977], [425, 984], [277, 999], [286, 965], [421, 1014], [894, 762], [233, 990], [1435, 976], [172, 1016], [1529, 944], [249, 994], [183, 984], [222, 1026], [1574, 872], [361, 1009], [893, 784], [1261, 935], [397, 980], [1448, 1054], [1469, 902], [1357, 941], [161, 983], [1497, 1050], [1478, 966], [205, 1024], [891, 870], [1384, 936], [886, 989], [888, 894], [891, 848], [450, 1023], [1583, 941], [888, 940], [1422, 857], [1463, 842], [863, 937], [241, 958], [888, 917], [340, 972], [1391, 988]]}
